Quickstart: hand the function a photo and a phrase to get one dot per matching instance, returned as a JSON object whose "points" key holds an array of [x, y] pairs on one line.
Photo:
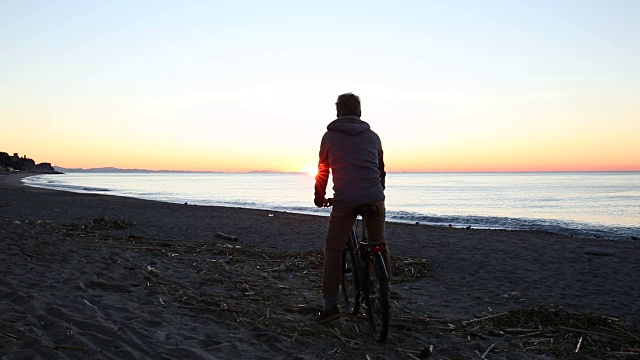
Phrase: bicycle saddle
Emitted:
{"points": [[366, 209]]}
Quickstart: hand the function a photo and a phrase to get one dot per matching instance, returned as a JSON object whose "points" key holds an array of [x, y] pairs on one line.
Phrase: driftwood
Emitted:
{"points": [[483, 318], [484, 356], [10, 336], [598, 252], [68, 347], [226, 236]]}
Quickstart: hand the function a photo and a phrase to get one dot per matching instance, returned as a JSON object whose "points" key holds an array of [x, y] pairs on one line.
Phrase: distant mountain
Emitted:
{"points": [[273, 172], [118, 170]]}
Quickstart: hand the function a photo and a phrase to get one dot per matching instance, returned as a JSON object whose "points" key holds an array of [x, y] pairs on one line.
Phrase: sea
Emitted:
{"points": [[582, 204]]}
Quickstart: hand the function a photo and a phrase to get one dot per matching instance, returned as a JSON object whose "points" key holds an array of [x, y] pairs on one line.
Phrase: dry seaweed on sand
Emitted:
{"points": [[278, 292], [553, 330], [99, 223]]}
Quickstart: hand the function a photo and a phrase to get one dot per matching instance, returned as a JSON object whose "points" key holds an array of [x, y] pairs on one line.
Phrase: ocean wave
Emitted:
{"points": [[65, 187], [569, 228]]}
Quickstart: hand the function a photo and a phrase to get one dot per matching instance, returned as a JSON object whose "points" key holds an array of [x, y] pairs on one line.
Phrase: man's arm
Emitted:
{"points": [[383, 174], [322, 177]]}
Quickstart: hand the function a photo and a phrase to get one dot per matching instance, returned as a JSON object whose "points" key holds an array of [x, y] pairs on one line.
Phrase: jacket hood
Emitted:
{"points": [[351, 125]]}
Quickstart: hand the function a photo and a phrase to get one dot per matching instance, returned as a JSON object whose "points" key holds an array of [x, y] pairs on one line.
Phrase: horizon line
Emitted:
{"points": [[115, 169]]}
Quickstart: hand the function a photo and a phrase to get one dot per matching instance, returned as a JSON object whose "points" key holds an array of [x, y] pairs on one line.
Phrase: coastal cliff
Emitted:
{"points": [[16, 163]]}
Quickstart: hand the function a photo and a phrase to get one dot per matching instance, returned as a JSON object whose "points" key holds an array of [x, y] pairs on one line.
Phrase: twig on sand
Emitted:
{"points": [[523, 331], [11, 336], [488, 351], [580, 331], [483, 318], [624, 353], [68, 347], [579, 343], [226, 236], [88, 303], [148, 248], [275, 268], [209, 308], [345, 340], [625, 332], [337, 332], [536, 333]]}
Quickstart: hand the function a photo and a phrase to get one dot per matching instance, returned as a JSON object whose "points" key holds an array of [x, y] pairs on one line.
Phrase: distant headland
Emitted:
{"points": [[12, 163], [120, 170]]}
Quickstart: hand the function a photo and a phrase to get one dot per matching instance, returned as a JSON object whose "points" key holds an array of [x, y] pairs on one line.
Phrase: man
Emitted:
{"points": [[353, 153]]}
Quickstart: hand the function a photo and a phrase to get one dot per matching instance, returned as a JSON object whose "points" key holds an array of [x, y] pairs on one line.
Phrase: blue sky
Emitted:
{"points": [[251, 84]]}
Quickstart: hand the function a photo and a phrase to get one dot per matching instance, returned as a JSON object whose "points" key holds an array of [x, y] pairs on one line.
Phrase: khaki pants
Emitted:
{"points": [[340, 224]]}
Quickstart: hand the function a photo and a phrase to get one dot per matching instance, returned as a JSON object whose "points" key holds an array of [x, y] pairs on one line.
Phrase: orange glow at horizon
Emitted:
{"points": [[599, 153]]}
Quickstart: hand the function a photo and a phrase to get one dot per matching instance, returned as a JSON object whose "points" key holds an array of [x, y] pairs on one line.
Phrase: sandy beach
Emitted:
{"points": [[102, 277]]}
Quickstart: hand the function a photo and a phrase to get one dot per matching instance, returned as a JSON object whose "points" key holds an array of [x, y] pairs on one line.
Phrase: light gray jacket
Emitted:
{"points": [[353, 152]]}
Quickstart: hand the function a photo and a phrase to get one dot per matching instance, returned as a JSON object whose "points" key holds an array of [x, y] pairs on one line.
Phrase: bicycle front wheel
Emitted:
{"points": [[350, 278], [377, 297]]}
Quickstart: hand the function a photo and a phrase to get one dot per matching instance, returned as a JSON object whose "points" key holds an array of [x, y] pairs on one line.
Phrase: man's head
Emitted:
{"points": [[348, 104]]}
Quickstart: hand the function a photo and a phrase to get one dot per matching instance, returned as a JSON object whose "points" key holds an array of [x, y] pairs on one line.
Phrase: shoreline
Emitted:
{"points": [[66, 272], [568, 227]]}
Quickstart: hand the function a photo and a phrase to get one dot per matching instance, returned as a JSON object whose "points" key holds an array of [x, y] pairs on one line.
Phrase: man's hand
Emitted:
{"points": [[321, 202]]}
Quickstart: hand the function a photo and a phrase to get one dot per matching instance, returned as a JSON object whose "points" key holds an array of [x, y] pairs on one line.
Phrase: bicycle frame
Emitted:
{"points": [[364, 251]]}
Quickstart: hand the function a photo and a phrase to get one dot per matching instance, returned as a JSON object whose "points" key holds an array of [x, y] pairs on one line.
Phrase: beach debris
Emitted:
{"points": [[561, 332], [226, 236], [598, 252], [10, 336], [287, 292], [484, 356], [483, 318], [88, 303], [67, 347], [514, 295], [91, 228], [104, 222], [579, 343]]}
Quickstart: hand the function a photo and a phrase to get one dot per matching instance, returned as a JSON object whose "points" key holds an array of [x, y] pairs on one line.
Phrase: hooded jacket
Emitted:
{"points": [[353, 152]]}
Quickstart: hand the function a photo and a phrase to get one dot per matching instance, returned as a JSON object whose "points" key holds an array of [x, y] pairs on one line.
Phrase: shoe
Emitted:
{"points": [[329, 315]]}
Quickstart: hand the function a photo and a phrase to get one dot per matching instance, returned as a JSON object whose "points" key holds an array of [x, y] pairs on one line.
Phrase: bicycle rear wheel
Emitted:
{"points": [[377, 297], [350, 278]]}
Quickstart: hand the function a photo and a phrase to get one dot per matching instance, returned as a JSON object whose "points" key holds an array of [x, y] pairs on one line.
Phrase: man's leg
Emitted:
{"points": [[375, 230], [340, 224]]}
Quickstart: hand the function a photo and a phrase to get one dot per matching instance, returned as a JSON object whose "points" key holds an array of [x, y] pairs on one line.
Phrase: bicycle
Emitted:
{"points": [[364, 277]]}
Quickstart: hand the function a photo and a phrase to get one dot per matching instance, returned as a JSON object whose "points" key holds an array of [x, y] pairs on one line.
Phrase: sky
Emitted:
{"points": [[544, 85]]}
